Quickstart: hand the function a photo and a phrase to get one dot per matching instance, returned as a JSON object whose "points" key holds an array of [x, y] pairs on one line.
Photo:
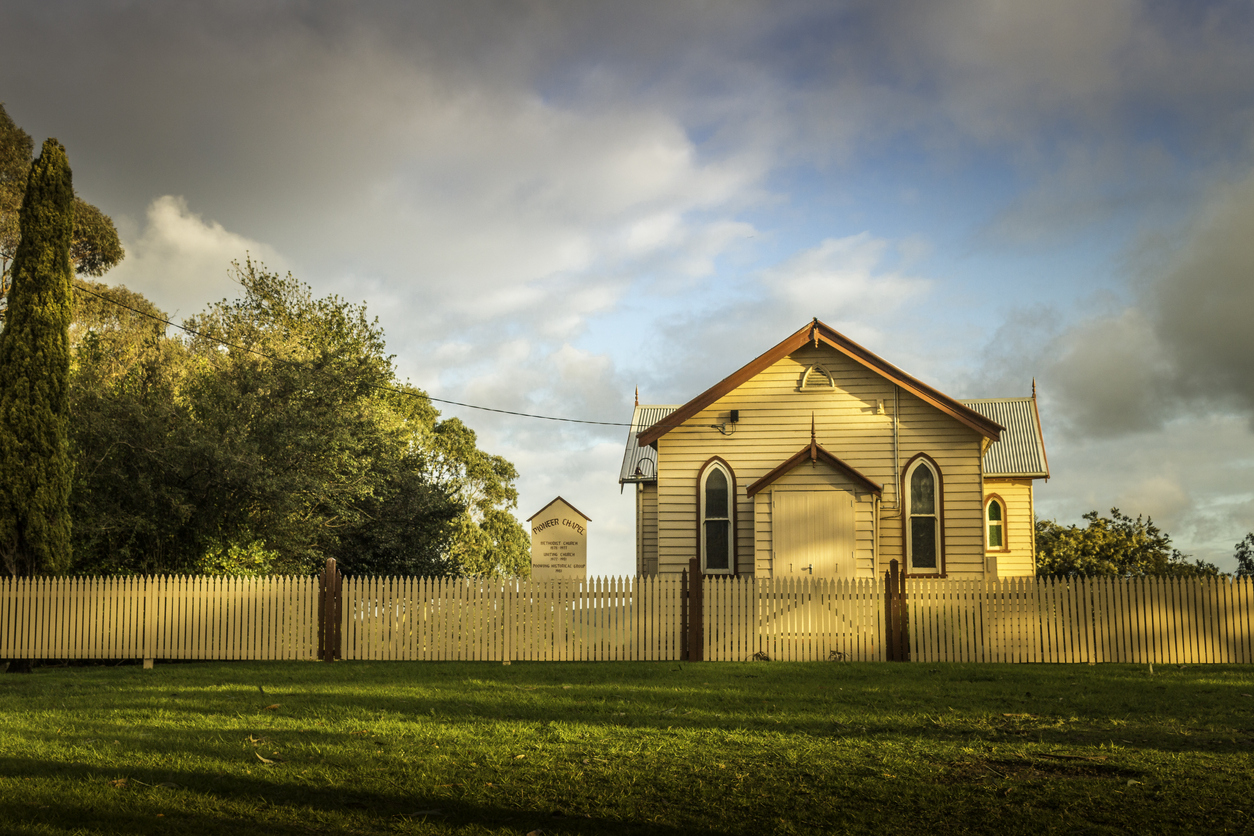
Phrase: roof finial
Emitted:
{"points": [[638, 394], [814, 331], [1033, 387], [814, 444]]}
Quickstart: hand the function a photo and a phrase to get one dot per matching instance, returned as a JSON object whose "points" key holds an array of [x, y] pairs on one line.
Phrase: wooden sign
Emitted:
{"points": [[559, 542]]}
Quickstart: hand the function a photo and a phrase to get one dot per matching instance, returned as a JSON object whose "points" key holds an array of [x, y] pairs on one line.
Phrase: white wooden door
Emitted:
{"points": [[813, 534]]}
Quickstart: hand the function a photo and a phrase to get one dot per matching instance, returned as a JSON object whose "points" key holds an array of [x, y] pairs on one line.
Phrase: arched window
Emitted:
{"points": [[717, 493], [996, 516], [923, 517]]}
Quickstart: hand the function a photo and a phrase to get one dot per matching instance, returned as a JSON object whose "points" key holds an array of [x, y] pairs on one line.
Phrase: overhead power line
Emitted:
{"points": [[392, 389]]}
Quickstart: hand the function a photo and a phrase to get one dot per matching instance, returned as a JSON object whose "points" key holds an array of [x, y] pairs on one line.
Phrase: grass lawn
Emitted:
{"points": [[669, 748]]}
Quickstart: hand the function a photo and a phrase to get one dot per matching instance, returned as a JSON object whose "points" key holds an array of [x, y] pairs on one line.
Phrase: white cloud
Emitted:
{"points": [[180, 261], [546, 198], [842, 280]]}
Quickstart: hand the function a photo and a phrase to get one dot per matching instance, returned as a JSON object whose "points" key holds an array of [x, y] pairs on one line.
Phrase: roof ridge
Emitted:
{"points": [[993, 400]]}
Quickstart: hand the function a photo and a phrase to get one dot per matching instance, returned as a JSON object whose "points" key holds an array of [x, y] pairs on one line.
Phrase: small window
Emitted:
{"points": [[923, 519], [716, 507], [996, 525]]}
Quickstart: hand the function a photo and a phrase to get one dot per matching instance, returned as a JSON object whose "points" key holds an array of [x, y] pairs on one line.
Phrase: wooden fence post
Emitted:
{"points": [[330, 604], [890, 612], [905, 618], [896, 615], [150, 621], [683, 615], [694, 611]]}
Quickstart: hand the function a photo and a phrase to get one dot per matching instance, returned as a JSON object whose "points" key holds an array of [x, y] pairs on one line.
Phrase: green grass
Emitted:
{"points": [[668, 748]]}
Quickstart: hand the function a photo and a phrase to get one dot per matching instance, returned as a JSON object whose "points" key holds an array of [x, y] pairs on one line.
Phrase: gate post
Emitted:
{"points": [[695, 611], [330, 604], [896, 615]]}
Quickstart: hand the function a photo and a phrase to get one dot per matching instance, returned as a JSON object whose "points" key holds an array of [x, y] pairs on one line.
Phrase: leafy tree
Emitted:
{"points": [[1115, 546], [35, 469], [487, 541], [1245, 557], [94, 248], [492, 546], [274, 439], [145, 472]]}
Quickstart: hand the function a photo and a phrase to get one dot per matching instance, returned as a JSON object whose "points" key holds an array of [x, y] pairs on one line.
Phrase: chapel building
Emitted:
{"points": [[821, 459]]}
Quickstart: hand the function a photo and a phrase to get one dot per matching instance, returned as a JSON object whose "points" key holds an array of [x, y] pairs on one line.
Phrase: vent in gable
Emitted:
{"points": [[815, 377]]}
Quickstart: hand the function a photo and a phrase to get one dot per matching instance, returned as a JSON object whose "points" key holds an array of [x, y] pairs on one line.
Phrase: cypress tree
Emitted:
{"points": [[35, 468]]}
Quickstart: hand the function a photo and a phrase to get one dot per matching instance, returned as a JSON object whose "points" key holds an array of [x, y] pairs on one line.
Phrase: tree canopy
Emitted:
{"points": [[274, 436], [1114, 546], [94, 248]]}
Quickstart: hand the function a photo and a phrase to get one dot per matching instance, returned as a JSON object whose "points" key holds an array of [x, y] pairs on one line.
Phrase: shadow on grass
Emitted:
{"points": [[1052, 705], [210, 803]]}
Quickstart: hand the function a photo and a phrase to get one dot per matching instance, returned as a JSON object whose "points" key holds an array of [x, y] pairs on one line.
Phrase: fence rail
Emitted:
{"points": [[720, 619]]}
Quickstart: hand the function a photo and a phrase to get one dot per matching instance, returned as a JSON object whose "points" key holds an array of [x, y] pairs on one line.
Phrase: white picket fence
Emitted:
{"points": [[603, 619], [1193, 621], [176, 617]]}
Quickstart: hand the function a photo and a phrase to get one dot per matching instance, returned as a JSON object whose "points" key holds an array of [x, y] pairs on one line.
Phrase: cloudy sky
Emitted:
{"points": [[548, 204]]}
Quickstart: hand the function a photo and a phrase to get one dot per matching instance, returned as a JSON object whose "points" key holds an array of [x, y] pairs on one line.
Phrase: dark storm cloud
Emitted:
{"points": [[296, 99], [1202, 306], [1184, 346]]}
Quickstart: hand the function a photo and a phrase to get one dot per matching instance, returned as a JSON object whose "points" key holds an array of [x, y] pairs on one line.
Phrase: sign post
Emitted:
{"points": [[559, 542]]}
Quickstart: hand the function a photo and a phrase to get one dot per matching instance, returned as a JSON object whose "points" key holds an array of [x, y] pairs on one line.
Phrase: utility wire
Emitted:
{"points": [[392, 389]]}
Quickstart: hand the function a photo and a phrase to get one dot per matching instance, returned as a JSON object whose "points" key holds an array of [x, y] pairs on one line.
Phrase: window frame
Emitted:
{"points": [[1005, 528], [720, 464], [915, 462]]}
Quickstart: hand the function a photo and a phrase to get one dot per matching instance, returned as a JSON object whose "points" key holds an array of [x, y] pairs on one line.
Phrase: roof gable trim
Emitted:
{"points": [[815, 453], [818, 332], [554, 502]]}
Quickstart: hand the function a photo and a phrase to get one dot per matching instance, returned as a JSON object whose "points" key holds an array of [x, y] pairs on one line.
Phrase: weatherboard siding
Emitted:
{"points": [[1019, 560], [853, 421], [646, 529]]}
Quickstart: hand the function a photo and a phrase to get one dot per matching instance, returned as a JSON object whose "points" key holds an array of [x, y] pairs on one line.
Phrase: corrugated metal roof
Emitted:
{"points": [[640, 463], [1021, 449]]}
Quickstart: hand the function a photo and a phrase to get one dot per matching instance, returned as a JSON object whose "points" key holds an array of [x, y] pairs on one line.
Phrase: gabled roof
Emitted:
{"points": [[814, 453], [554, 502], [640, 463], [817, 332], [1021, 449]]}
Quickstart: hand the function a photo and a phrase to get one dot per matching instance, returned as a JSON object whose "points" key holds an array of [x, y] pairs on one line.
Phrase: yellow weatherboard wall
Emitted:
{"points": [[1018, 559]]}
